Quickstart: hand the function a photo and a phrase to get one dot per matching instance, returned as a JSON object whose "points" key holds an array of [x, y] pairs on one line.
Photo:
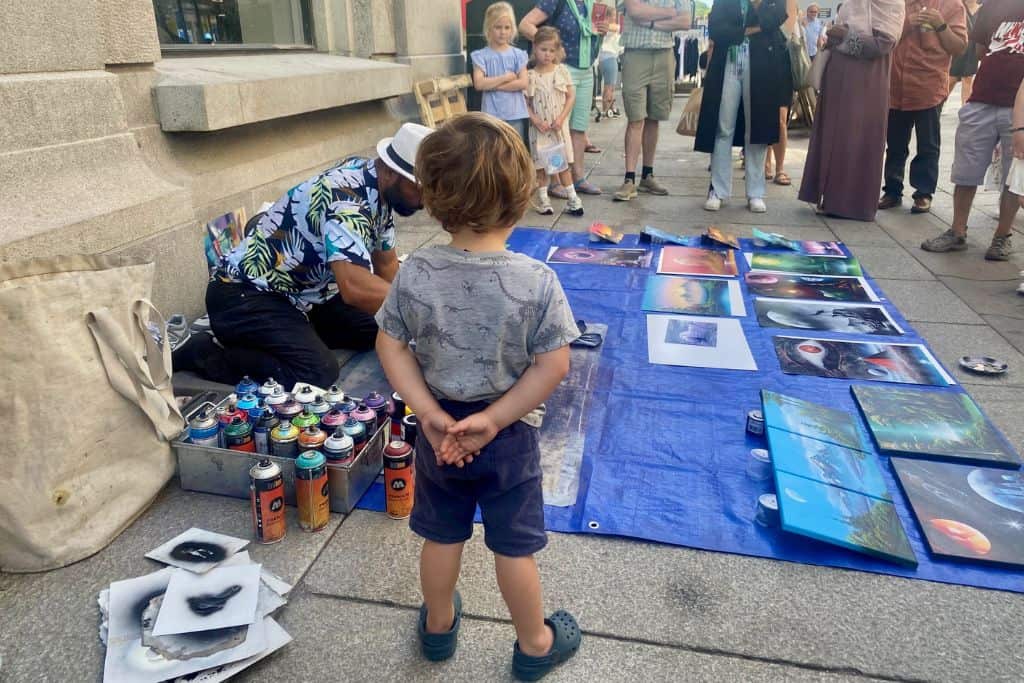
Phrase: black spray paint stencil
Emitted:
{"points": [[222, 597], [197, 550]]}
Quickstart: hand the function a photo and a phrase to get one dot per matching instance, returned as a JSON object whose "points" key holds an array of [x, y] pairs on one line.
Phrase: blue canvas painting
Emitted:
{"points": [[810, 419], [841, 517], [827, 463]]}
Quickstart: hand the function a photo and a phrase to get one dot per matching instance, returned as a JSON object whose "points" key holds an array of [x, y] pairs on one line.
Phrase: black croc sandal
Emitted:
{"points": [[438, 647], [566, 643]]}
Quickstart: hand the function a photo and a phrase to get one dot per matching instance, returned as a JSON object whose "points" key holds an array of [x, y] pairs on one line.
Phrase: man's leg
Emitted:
{"points": [[635, 75], [924, 169], [897, 149], [342, 326], [649, 141], [659, 108], [634, 144]]}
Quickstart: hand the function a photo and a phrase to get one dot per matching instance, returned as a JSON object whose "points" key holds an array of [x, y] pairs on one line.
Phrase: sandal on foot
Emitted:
{"points": [[557, 191], [566, 643], [438, 647], [782, 178], [592, 149]]}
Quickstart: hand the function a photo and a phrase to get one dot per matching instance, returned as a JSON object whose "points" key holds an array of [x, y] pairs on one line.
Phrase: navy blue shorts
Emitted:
{"points": [[504, 480]]}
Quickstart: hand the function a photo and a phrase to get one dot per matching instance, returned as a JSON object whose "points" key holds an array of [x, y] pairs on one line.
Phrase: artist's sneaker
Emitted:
{"points": [[713, 203], [574, 206], [756, 205], [652, 186], [947, 241], [626, 192], [1000, 249]]}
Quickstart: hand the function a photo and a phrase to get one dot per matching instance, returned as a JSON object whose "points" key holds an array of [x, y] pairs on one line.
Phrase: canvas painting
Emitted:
{"points": [[828, 463], [698, 343], [966, 512], [808, 265], [842, 517], [676, 260], [943, 424], [807, 247], [826, 316], [629, 258], [881, 362], [694, 295], [812, 420], [715, 234], [823, 287], [601, 232], [656, 236]]}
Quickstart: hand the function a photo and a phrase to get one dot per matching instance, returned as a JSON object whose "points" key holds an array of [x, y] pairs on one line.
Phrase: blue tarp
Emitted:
{"points": [[665, 459]]}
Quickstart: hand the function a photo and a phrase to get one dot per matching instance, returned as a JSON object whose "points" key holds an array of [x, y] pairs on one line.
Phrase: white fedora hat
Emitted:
{"points": [[399, 152]]}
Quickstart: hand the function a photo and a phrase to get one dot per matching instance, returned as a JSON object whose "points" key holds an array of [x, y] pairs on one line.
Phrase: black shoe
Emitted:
{"points": [[889, 201]]}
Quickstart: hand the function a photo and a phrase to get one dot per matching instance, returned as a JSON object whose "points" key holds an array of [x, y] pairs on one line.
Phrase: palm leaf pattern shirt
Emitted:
{"points": [[337, 216]]}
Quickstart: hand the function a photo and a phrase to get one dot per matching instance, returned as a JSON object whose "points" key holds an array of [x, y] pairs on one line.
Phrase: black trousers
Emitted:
{"points": [[264, 335], [924, 169]]}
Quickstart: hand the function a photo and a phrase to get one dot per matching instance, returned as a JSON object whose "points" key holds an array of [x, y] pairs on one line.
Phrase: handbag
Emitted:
{"points": [[816, 74], [86, 403], [799, 62], [691, 114]]}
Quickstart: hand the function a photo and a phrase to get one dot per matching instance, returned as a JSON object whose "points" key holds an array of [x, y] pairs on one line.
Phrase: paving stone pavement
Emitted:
{"points": [[650, 611]]}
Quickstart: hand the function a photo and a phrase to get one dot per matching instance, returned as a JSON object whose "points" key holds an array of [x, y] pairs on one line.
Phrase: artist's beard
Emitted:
{"points": [[394, 199]]}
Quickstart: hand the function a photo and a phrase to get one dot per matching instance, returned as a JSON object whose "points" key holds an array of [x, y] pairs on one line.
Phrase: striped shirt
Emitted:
{"points": [[641, 37]]}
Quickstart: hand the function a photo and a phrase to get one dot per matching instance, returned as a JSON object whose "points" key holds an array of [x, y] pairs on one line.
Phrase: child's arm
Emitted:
{"points": [[532, 389], [519, 82], [537, 122], [570, 99], [483, 82]]}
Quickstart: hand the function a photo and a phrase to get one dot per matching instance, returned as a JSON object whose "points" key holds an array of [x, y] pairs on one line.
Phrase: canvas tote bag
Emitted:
{"points": [[85, 403], [691, 114]]}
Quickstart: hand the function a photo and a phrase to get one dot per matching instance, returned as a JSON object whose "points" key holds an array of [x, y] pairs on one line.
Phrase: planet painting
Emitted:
{"points": [[966, 512]]}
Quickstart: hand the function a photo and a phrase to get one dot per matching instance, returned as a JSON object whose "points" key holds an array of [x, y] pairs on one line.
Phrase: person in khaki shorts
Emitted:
{"points": [[647, 80]]}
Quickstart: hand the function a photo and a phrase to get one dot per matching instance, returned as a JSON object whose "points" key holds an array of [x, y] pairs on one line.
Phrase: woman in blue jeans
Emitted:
{"points": [[746, 83]]}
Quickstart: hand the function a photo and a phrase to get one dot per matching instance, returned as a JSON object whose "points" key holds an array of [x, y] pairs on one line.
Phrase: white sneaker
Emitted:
{"points": [[713, 203], [756, 205]]}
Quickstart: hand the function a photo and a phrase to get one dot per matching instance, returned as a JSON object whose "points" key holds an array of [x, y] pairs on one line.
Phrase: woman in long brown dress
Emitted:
{"points": [[844, 164]]}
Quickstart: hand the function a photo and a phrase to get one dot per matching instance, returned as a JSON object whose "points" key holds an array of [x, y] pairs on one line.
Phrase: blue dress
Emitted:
{"points": [[507, 106]]}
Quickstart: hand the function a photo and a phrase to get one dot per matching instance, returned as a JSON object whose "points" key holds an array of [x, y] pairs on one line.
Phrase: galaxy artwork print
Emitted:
{"points": [[900, 363], [629, 258], [966, 512], [815, 287]]}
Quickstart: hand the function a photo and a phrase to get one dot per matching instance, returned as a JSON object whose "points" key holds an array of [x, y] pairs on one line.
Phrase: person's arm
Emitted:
{"points": [[517, 84], [724, 28], [642, 13], [1017, 124], [385, 264], [858, 45], [953, 36], [538, 123], [771, 14], [359, 287], [529, 24], [483, 82], [678, 23], [570, 99]]}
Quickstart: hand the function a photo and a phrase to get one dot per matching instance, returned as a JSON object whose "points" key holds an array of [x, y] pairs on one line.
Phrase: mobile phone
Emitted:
{"points": [[599, 12]]}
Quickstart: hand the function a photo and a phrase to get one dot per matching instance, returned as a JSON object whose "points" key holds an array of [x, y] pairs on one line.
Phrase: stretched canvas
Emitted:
{"points": [[826, 316], [716, 234], [943, 424], [698, 342], [675, 260], [842, 517], [827, 463], [966, 512], [812, 420], [808, 247], [881, 362], [824, 287], [694, 295], [629, 258], [799, 263]]}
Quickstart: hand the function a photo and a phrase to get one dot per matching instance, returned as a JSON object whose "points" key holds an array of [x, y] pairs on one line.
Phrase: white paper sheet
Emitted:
{"points": [[195, 547], [698, 342], [176, 616]]}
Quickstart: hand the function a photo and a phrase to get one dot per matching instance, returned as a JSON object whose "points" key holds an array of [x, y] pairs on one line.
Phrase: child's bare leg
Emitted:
{"points": [[439, 572], [519, 581], [542, 178], [565, 177]]}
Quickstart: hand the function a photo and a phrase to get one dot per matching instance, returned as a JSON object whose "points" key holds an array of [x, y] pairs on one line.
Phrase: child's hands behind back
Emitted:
{"points": [[471, 435]]}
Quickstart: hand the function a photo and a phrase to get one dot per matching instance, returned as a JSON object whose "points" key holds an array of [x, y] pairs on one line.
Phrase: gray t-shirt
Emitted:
{"points": [[477, 319]]}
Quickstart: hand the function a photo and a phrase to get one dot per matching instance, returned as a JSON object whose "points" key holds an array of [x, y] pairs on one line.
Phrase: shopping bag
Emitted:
{"points": [[86, 403], [691, 113], [553, 158]]}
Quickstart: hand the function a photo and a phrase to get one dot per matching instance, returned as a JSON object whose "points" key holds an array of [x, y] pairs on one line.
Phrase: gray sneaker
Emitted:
{"points": [[652, 186], [947, 241], [1000, 249]]}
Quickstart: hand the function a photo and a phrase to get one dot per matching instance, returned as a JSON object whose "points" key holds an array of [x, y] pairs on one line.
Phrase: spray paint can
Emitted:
{"points": [[334, 395], [759, 465], [755, 423], [288, 410], [332, 420], [312, 491], [410, 427], [305, 395], [319, 407], [379, 405], [311, 438], [346, 405], [246, 386], [225, 415], [356, 431], [767, 510], [238, 436], [305, 419], [277, 397], [266, 494], [368, 418], [268, 387], [398, 479], [257, 411], [247, 402], [338, 448], [397, 413], [284, 440], [204, 430], [261, 431]]}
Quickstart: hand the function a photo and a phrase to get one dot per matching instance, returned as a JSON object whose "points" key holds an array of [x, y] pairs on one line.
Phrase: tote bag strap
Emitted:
{"points": [[136, 366]]}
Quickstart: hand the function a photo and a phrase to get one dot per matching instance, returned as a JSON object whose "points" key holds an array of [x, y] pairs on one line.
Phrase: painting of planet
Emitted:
{"points": [[842, 517], [881, 362], [945, 425], [966, 512]]}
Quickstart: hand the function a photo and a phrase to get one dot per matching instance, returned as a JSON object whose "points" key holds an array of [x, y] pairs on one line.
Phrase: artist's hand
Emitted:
{"points": [[929, 16], [472, 433], [1018, 144]]}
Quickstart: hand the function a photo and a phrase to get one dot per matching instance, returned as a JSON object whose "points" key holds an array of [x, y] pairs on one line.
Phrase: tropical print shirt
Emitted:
{"points": [[337, 216]]}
